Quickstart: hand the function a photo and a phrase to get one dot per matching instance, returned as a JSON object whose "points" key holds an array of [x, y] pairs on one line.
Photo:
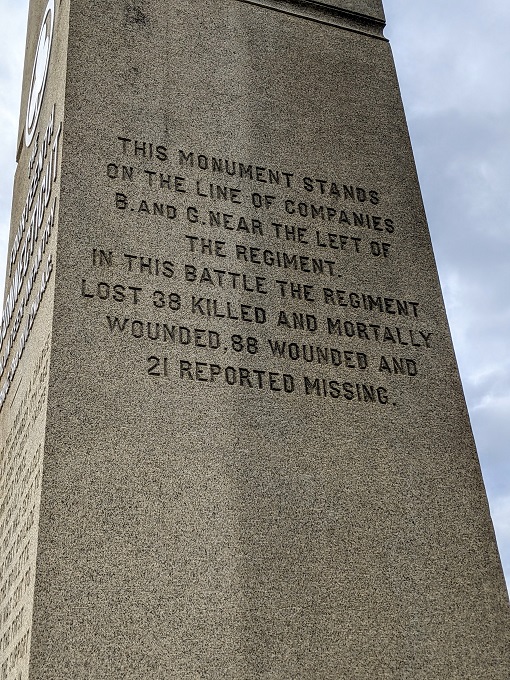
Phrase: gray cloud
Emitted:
{"points": [[15, 14], [453, 68]]}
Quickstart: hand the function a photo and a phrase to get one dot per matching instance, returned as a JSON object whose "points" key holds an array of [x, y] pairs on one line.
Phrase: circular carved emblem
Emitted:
{"points": [[40, 72]]}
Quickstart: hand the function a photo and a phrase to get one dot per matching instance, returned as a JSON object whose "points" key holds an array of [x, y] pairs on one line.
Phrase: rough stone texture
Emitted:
{"points": [[372, 8], [209, 509], [24, 386]]}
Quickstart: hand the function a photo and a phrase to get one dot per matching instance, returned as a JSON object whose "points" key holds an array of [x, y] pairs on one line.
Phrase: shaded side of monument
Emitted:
{"points": [[236, 443]]}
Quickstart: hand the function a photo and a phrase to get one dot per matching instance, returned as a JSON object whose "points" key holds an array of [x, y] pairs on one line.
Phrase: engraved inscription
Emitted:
{"points": [[28, 257], [20, 475], [254, 288]]}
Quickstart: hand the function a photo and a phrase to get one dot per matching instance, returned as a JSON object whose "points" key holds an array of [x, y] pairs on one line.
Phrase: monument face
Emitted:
{"points": [[234, 439]]}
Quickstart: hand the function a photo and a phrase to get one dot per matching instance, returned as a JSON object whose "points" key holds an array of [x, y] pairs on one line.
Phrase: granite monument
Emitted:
{"points": [[234, 440]]}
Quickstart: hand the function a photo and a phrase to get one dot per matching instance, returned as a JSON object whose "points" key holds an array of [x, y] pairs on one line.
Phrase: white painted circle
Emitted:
{"points": [[40, 72]]}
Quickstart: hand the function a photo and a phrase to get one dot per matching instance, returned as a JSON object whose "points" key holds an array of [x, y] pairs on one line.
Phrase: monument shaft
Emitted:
{"points": [[234, 439]]}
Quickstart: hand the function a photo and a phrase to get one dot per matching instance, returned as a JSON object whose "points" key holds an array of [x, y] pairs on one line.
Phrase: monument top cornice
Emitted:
{"points": [[369, 8], [359, 16]]}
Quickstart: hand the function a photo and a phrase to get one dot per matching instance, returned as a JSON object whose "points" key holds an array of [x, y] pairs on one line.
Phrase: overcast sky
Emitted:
{"points": [[453, 61]]}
